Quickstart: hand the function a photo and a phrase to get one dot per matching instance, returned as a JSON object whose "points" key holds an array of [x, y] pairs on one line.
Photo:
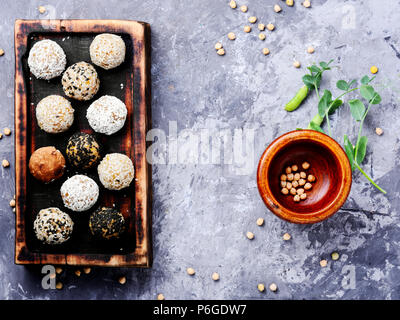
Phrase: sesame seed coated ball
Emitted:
{"points": [[46, 60], [107, 51], [107, 223], [52, 226], [107, 115], [80, 81], [79, 193], [116, 171], [54, 114], [83, 151]]}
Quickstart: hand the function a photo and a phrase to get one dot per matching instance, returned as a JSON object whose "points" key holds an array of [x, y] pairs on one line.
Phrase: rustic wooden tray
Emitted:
{"points": [[131, 83]]}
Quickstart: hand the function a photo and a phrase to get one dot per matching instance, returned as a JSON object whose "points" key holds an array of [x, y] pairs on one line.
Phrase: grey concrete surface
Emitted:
{"points": [[201, 212]]}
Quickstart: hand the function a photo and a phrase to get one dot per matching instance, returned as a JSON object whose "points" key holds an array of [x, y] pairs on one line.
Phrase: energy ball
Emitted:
{"points": [[83, 151], [107, 51], [46, 60], [47, 164], [54, 114], [116, 171], [80, 81], [107, 223], [79, 193], [52, 226], [107, 115]]}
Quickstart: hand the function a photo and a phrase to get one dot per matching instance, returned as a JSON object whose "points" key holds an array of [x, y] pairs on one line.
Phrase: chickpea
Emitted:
{"points": [[295, 184], [296, 198], [160, 297], [310, 49], [277, 8], [42, 9], [293, 191], [270, 27], [250, 235], [297, 176], [302, 182], [221, 52], [295, 168], [59, 286], [283, 184], [78, 273], [190, 271], [305, 165], [311, 178], [288, 170], [12, 203], [303, 175], [252, 19], [247, 29], [300, 191], [232, 4], [287, 236], [265, 51], [7, 131], [87, 270], [323, 263], [261, 26], [260, 222], [1, 52], [307, 186], [289, 3], [307, 4], [122, 280], [303, 196], [261, 287], [243, 8], [379, 131], [5, 163], [285, 191], [231, 36], [296, 64], [273, 287], [289, 185], [218, 46], [335, 256], [261, 36], [374, 69], [290, 176], [283, 177]]}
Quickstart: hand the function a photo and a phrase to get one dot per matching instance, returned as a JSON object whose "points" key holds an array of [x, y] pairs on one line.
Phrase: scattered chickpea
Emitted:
{"points": [[311, 178], [231, 36], [218, 46], [295, 184], [289, 3], [305, 165], [303, 196], [78, 273], [300, 191], [59, 285], [1, 135], [13, 209], [296, 198], [42, 9], [59, 270], [215, 276], [261, 287], [288, 170], [374, 69], [261, 36], [287, 236], [12, 203], [122, 280], [221, 52], [160, 297], [302, 182], [289, 185], [7, 131], [247, 29], [283, 184], [87, 270], [261, 26], [283, 177], [5, 163], [290, 176], [273, 287], [232, 4], [335, 256], [323, 263], [297, 176], [252, 19], [285, 191], [277, 8], [303, 175], [265, 51], [250, 235], [307, 3], [379, 131], [293, 191], [295, 168], [190, 271], [310, 50], [270, 26], [243, 8], [260, 221], [296, 64], [307, 186], [1, 52]]}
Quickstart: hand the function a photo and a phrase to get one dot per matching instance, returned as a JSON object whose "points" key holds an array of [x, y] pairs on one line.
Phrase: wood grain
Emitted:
{"points": [[135, 248]]}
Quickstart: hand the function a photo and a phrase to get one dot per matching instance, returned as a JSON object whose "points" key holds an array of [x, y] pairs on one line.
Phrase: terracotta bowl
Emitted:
{"points": [[329, 164]]}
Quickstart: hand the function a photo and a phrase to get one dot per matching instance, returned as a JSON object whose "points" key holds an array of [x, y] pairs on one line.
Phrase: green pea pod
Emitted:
{"points": [[298, 99]]}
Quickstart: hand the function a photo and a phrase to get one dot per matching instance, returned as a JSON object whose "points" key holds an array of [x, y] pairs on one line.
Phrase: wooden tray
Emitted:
{"points": [[131, 83]]}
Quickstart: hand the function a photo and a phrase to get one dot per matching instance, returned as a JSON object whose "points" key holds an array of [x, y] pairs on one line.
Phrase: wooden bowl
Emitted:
{"points": [[329, 164]]}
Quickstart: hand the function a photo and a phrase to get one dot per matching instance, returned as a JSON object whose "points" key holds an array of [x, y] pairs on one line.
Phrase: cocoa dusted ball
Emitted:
{"points": [[107, 223], [47, 164], [83, 151]]}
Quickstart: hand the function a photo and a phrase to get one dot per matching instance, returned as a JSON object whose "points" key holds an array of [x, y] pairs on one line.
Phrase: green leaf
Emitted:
{"points": [[365, 80], [357, 109], [309, 81], [314, 69], [324, 65], [315, 127], [349, 149], [342, 85], [376, 99], [352, 82], [361, 148], [367, 92], [324, 102], [334, 106]]}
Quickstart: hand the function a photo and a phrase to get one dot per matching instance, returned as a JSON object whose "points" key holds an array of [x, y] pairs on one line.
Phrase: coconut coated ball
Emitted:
{"points": [[80, 81], [107, 51], [116, 171], [106, 223], [47, 164], [46, 60], [79, 193], [52, 226], [83, 151], [54, 114], [107, 115]]}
